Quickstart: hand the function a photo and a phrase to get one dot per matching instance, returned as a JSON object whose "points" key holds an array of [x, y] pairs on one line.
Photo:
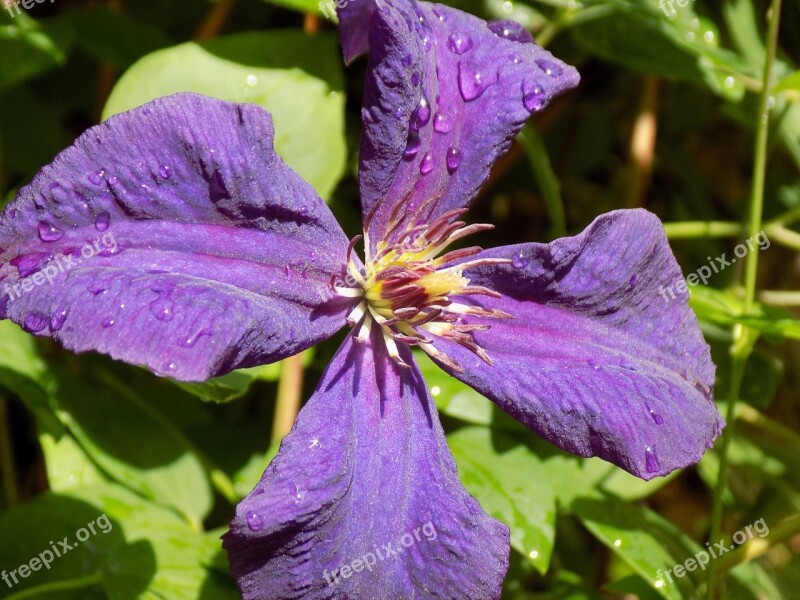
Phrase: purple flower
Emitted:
{"points": [[223, 258]]}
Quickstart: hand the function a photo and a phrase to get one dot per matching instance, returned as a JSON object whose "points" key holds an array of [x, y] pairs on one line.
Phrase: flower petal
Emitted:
{"points": [[445, 94], [366, 466], [173, 236], [595, 359]]}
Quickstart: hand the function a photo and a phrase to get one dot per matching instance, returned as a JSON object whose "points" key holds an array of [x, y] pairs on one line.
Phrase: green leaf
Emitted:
{"points": [[68, 465], [138, 549], [136, 446], [511, 485], [295, 77], [792, 82], [306, 6], [645, 541], [722, 308], [29, 49]]}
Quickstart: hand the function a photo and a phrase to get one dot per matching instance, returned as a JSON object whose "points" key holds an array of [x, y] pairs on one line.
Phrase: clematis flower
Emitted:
{"points": [[224, 258]]}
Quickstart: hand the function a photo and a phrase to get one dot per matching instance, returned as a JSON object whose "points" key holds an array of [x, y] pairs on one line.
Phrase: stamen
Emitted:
{"points": [[357, 314]]}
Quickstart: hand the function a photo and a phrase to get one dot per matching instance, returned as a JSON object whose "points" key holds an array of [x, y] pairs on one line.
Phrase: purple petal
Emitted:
{"points": [[595, 360], [445, 94], [366, 466], [174, 237]]}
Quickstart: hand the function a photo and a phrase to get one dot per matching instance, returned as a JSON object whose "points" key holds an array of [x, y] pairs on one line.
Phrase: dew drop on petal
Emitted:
{"points": [[426, 166], [96, 178], [103, 221], [412, 146], [510, 30], [454, 158], [533, 96], [35, 322], [651, 460], [254, 521], [49, 233], [520, 261], [107, 322], [472, 82], [442, 123], [550, 68], [407, 60], [162, 309], [165, 172], [58, 318], [421, 115], [657, 418], [459, 43]]}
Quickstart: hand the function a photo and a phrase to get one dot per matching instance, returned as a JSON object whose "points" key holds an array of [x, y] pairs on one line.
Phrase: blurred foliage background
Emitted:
{"points": [[666, 118]]}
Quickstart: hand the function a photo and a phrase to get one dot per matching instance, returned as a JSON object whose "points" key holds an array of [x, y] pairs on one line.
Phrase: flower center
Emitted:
{"points": [[410, 289]]}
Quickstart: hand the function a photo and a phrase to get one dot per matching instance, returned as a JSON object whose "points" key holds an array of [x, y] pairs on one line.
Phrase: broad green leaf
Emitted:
{"points": [[511, 485], [645, 541], [68, 465], [295, 77], [136, 446], [137, 550]]}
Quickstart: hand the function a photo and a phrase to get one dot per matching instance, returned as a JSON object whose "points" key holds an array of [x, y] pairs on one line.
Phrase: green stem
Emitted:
{"points": [[58, 586], [743, 339], [539, 160], [290, 392], [758, 546], [7, 457], [696, 229]]}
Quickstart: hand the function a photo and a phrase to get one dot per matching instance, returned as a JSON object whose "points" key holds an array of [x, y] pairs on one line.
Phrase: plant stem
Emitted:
{"points": [[743, 339], [695, 229], [7, 457], [290, 391], [549, 187], [215, 20], [58, 586]]}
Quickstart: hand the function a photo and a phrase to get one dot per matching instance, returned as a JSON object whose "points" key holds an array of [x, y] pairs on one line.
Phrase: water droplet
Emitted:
{"points": [[690, 36], [454, 158], [436, 391], [729, 81], [407, 60], [533, 96], [191, 341], [162, 309], [508, 7], [103, 221], [58, 318], [657, 418], [252, 80], [651, 460], [472, 82], [108, 322], [520, 261], [254, 521], [694, 23], [96, 178], [550, 68], [169, 367], [633, 279], [112, 180], [426, 166], [165, 172], [412, 146], [421, 115], [440, 14], [708, 36], [442, 123], [35, 322], [96, 288], [29, 264], [618, 542], [771, 102], [49, 233], [460, 43], [510, 30]]}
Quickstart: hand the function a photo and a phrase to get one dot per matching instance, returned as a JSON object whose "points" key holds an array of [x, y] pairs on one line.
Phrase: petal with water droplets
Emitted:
{"points": [[366, 475], [182, 273], [440, 84], [594, 359]]}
